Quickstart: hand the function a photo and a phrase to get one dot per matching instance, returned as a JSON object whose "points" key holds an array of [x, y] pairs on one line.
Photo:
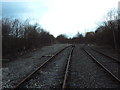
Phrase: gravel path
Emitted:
{"points": [[51, 76], [14, 71], [85, 73]]}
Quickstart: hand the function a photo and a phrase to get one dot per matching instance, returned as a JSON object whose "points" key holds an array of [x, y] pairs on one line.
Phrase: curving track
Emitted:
{"points": [[111, 57], [86, 73], [108, 63], [23, 83], [71, 67]]}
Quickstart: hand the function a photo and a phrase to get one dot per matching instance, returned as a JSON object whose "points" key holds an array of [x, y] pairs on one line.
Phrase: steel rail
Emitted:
{"points": [[116, 78], [28, 77], [106, 55], [67, 69]]}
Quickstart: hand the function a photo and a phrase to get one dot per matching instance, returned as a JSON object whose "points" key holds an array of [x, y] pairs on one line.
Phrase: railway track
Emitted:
{"points": [[67, 69], [27, 78], [106, 55], [108, 63]]}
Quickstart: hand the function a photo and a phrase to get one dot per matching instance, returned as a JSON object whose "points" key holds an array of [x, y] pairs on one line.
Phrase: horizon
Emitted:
{"points": [[61, 17]]}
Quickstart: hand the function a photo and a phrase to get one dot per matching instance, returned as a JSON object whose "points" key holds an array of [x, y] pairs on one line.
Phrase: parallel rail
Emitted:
{"points": [[67, 69], [106, 55], [28, 77], [116, 78]]}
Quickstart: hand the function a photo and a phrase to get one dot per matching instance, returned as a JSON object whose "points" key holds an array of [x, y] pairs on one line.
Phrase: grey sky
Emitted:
{"points": [[61, 16], [14, 9], [23, 9]]}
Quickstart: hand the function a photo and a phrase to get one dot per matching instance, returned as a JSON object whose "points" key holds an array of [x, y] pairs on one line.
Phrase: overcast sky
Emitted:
{"points": [[60, 16]]}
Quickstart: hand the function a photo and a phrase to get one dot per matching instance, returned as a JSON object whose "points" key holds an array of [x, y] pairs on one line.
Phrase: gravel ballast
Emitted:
{"points": [[85, 73], [51, 76], [112, 65], [14, 71], [109, 51]]}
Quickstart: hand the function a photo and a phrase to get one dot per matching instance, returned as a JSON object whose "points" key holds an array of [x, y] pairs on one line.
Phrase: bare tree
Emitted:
{"points": [[111, 22]]}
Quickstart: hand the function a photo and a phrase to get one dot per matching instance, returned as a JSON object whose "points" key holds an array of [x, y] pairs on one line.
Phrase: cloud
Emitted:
{"points": [[23, 9], [71, 16], [9, 8], [62, 16]]}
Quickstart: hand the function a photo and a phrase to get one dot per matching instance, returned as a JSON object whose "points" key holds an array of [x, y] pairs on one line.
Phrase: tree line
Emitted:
{"points": [[107, 33], [19, 36]]}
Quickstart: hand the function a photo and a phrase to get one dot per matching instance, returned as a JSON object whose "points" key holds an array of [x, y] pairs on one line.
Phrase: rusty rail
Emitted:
{"points": [[106, 55], [116, 78], [28, 77], [67, 68]]}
